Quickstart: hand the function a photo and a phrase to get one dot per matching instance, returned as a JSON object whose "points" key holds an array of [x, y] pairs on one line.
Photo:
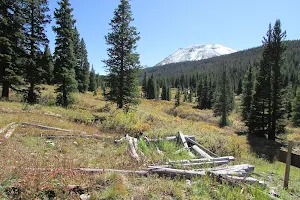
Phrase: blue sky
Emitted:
{"points": [[166, 25]]}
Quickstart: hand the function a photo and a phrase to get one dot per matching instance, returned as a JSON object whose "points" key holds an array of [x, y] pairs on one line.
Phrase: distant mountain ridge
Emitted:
{"points": [[196, 53]]}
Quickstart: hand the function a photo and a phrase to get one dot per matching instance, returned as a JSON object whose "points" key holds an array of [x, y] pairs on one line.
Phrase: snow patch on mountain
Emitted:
{"points": [[196, 52]]}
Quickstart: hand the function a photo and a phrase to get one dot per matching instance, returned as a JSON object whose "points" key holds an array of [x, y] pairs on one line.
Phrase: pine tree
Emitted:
{"points": [[65, 60], [177, 97], [203, 98], [164, 91], [267, 116], [83, 68], [185, 95], [123, 62], [168, 93], [151, 87], [92, 81], [36, 19], [144, 85], [47, 66], [247, 95], [296, 109], [278, 49], [199, 92], [11, 45], [190, 97], [224, 99], [260, 116]]}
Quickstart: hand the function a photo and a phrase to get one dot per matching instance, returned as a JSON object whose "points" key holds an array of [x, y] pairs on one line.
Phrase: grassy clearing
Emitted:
{"points": [[91, 114]]}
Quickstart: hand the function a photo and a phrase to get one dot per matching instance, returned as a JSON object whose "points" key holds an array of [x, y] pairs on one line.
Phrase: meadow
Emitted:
{"points": [[35, 167]]}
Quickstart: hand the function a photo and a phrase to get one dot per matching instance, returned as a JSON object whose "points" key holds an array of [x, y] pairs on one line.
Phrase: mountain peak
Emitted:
{"points": [[196, 52]]}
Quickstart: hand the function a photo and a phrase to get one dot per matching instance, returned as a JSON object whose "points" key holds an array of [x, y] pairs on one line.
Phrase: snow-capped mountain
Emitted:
{"points": [[196, 52]]}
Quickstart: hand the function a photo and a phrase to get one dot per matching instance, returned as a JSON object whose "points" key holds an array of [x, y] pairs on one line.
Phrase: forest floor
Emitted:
{"points": [[34, 167]]}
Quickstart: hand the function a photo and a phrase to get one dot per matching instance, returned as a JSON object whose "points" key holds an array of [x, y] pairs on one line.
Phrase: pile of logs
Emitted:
{"points": [[203, 162]]}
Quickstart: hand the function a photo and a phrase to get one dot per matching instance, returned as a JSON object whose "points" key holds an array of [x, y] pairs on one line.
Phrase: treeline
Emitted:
{"points": [[267, 82], [25, 57], [187, 74]]}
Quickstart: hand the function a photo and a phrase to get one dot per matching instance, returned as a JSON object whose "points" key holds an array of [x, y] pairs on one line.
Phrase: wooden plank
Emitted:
{"points": [[46, 127], [201, 152], [288, 165], [189, 140]]}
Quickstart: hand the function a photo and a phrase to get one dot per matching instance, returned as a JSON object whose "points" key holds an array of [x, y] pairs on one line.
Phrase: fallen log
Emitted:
{"points": [[169, 138], [243, 179], [132, 150], [229, 170], [182, 138], [62, 136], [93, 171], [46, 127], [11, 130], [201, 152], [6, 127], [190, 140], [207, 163], [229, 158]]}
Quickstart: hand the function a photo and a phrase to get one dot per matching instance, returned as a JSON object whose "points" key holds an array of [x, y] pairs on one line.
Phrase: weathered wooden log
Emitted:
{"points": [[93, 171], [62, 136], [169, 138], [201, 152], [46, 127], [207, 163], [6, 127], [132, 149], [243, 179], [229, 170], [11, 130], [176, 172], [182, 138], [229, 158], [191, 141]]}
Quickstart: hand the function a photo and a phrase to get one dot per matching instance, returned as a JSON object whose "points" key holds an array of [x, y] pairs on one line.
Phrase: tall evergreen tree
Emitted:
{"points": [[47, 66], [11, 45], [123, 62], [190, 95], [260, 116], [224, 98], [157, 90], [267, 114], [247, 95], [177, 97], [65, 60], [36, 19], [92, 81], [151, 87], [278, 49], [164, 91], [240, 87], [144, 85], [168, 93], [83, 68], [203, 98]]}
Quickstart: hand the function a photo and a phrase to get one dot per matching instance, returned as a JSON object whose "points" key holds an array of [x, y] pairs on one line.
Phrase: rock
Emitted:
{"points": [[85, 197], [188, 183]]}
